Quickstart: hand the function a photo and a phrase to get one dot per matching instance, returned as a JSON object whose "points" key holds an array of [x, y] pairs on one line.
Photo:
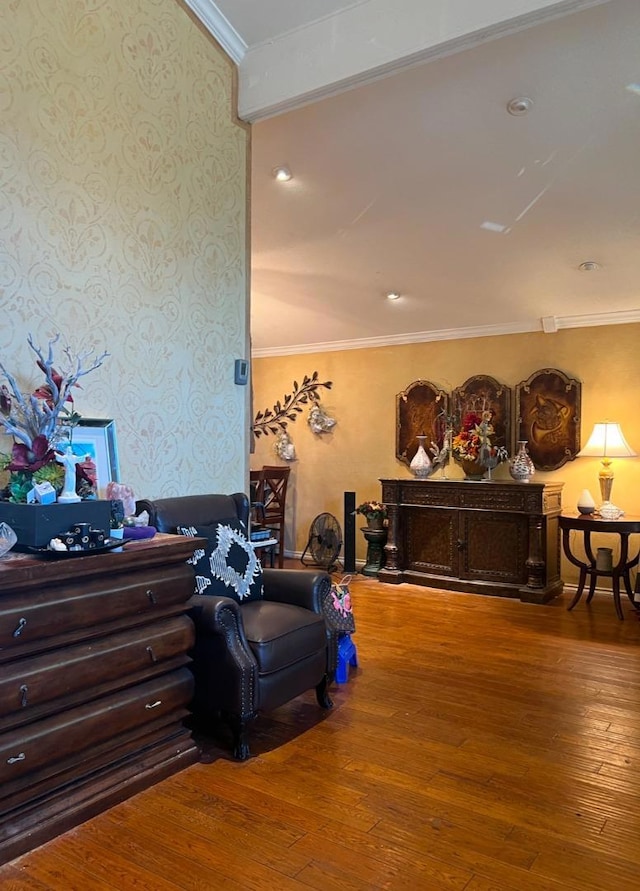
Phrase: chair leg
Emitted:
{"points": [[240, 730], [322, 693]]}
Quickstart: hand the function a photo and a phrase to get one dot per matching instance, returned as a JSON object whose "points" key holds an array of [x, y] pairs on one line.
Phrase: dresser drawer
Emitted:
{"points": [[73, 612], [42, 747], [36, 685]]}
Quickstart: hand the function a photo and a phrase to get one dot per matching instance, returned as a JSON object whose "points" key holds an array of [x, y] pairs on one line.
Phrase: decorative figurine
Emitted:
{"points": [[69, 461], [319, 420], [284, 448]]}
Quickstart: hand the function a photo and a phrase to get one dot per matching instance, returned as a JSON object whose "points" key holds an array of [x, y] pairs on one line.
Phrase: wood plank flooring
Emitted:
{"points": [[482, 744]]}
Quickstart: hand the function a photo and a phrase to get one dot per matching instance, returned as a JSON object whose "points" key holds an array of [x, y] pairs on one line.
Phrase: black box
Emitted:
{"points": [[36, 524]]}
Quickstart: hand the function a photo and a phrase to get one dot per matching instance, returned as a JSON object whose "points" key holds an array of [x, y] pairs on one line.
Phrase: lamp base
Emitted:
{"points": [[605, 479]]}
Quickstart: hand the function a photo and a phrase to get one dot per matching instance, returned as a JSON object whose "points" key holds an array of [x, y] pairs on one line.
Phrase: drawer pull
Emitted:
{"points": [[21, 625], [23, 699], [152, 655], [151, 596], [155, 704], [16, 758]]}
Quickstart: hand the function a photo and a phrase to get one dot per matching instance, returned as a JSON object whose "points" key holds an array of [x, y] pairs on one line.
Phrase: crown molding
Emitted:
{"points": [[270, 86], [223, 31], [627, 317]]}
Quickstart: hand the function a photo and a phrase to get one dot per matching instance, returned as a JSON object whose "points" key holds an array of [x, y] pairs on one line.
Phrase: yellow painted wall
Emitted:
{"points": [[361, 448], [123, 195]]}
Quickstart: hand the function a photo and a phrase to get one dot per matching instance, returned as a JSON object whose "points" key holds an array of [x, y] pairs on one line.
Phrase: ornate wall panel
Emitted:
{"points": [[419, 410], [548, 417], [480, 393]]}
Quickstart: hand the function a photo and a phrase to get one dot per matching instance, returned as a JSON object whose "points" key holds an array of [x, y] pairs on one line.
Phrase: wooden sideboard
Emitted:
{"points": [[498, 537], [94, 683]]}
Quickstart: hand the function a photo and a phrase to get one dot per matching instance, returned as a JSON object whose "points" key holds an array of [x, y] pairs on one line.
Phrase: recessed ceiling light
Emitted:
{"points": [[393, 295], [520, 105], [282, 174], [589, 266]]}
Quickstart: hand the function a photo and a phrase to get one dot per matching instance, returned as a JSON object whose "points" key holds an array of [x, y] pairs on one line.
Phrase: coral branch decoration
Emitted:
{"points": [[276, 420], [35, 421]]}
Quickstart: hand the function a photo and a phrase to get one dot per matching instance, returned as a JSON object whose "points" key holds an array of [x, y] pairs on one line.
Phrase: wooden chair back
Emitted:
{"points": [[269, 490]]}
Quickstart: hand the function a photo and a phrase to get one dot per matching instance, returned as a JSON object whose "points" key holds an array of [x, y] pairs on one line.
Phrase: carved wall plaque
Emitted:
{"points": [[419, 410], [483, 393], [548, 417]]}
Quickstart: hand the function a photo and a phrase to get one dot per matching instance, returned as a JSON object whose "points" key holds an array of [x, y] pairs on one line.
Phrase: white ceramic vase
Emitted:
{"points": [[586, 504], [521, 467], [421, 464]]}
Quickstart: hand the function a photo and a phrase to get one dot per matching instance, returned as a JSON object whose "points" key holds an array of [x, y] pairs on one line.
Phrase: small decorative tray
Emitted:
{"points": [[109, 545]]}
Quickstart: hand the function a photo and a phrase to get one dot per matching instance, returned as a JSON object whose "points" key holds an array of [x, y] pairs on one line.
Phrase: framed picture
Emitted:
{"points": [[94, 439], [420, 410], [483, 393], [548, 417]]}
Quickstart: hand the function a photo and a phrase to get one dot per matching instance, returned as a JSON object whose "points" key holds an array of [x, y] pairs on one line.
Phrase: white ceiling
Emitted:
{"points": [[394, 179]]}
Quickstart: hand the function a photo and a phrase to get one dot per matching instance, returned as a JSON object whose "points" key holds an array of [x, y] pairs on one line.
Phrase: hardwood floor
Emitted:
{"points": [[482, 744]]}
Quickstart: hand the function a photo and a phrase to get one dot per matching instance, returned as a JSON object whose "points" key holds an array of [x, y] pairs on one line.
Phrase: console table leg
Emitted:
{"points": [[616, 596], [592, 587], [536, 569], [578, 594]]}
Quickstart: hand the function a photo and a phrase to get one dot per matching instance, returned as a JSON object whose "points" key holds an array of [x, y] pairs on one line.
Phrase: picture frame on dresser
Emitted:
{"points": [[96, 437]]}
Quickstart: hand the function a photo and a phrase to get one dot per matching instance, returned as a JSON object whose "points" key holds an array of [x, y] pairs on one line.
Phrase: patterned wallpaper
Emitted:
{"points": [[123, 192]]}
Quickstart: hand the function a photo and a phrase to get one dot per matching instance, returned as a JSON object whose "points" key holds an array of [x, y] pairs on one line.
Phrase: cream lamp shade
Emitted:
{"points": [[606, 441]]}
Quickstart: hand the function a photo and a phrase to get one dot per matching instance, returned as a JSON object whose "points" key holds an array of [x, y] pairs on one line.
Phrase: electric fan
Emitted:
{"points": [[325, 542]]}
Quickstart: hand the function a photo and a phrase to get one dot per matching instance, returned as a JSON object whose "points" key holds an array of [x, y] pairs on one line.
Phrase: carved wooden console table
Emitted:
{"points": [[94, 683], [498, 537]]}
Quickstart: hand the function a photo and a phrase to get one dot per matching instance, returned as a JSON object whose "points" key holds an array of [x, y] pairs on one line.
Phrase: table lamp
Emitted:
{"points": [[606, 441]]}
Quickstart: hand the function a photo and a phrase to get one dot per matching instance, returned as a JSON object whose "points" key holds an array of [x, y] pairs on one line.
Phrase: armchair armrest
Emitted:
{"points": [[206, 611], [300, 587], [224, 666]]}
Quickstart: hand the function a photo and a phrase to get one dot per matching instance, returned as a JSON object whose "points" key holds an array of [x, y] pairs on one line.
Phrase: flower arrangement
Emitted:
{"points": [[473, 441], [37, 421], [372, 510]]}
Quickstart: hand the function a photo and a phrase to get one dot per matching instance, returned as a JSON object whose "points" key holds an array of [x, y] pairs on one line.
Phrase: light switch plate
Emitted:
{"points": [[241, 371]]}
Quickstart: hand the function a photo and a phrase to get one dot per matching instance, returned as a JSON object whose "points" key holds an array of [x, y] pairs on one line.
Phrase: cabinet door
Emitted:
{"points": [[495, 546], [431, 540]]}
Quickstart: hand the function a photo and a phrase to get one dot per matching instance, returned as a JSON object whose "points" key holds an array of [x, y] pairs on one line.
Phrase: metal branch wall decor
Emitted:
{"points": [[275, 420]]}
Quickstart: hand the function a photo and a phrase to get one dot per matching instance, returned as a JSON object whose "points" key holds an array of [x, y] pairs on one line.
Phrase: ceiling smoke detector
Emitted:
{"points": [[521, 105], [589, 266]]}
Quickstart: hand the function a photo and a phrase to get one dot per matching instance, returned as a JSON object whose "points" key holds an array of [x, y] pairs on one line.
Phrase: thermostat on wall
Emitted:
{"points": [[241, 371]]}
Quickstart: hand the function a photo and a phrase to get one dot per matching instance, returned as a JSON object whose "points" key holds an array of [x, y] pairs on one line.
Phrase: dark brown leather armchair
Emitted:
{"points": [[252, 657]]}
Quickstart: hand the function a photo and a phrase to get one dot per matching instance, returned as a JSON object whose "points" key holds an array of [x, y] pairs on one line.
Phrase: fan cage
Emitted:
{"points": [[324, 543]]}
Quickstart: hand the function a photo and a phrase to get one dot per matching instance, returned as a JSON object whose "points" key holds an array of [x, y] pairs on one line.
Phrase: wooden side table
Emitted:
{"points": [[623, 528]]}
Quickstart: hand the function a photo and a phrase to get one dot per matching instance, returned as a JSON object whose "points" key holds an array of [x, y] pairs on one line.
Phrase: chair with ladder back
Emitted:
{"points": [[269, 493]]}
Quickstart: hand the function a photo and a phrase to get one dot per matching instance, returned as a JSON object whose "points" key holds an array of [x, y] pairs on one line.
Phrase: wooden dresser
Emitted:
{"points": [[498, 538], [94, 683]]}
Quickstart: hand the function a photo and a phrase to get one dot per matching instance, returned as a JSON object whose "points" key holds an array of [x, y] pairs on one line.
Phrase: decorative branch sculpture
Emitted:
{"points": [[27, 417], [275, 420]]}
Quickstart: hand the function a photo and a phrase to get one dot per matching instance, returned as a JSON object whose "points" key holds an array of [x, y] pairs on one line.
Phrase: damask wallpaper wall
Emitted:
{"points": [[123, 190]]}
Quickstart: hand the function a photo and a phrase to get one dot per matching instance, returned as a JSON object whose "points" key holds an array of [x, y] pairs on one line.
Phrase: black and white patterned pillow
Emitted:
{"points": [[228, 565]]}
